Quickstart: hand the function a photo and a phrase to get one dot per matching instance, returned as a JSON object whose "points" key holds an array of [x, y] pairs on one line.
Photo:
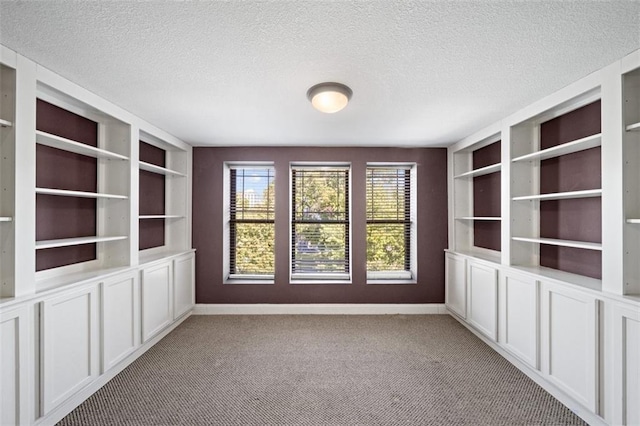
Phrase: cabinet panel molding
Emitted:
{"points": [[626, 331], [519, 317], [456, 285], [120, 318], [69, 347], [482, 287], [570, 353], [157, 303], [183, 285], [14, 389]]}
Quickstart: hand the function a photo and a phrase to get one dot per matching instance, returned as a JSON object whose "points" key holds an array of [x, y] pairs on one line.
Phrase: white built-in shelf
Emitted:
{"points": [[160, 170], [481, 171], [81, 194], [65, 242], [478, 218], [635, 127], [5, 219], [562, 276], [633, 220], [589, 193], [5, 123], [160, 216], [53, 141], [563, 243], [564, 149]]}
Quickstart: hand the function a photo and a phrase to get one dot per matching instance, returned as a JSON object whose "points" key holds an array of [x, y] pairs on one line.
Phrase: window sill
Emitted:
{"points": [[392, 281], [317, 282], [233, 281]]}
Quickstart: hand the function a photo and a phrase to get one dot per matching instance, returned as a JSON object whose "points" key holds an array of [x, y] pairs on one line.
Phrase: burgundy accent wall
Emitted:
{"points": [[486, 198], [65, 217], [572, 219], [152, 198], [208, 168]]}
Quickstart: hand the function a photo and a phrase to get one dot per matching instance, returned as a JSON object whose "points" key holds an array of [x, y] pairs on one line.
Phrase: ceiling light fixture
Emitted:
{"points": [[329, 97]]}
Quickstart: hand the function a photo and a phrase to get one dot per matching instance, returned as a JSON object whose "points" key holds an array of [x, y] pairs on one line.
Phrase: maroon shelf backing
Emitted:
{"points": [[571, 219], [486, 198], [152, 198], [60, 217]]}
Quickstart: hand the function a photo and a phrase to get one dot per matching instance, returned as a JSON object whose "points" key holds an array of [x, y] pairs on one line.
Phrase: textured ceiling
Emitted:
{"points": [[237, 72]]}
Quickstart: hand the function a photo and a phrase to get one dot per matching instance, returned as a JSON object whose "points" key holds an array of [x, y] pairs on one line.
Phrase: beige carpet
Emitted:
{"points": [[321, 370]]}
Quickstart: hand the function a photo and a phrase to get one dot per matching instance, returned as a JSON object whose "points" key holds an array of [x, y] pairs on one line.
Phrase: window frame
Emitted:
{"points": [[320, 278], [229, 278], [399, 277]]}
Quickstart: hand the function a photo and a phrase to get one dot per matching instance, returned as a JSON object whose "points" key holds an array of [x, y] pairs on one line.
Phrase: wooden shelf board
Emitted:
{"points": [[633, 220], [564, 149], [635, 127], [6, 219], [480, 172], [5, 123], [562, 276], [45, 244], [562, 243], [160, 170], [53, 141], [81, 194], [589, 193], [478, 218], [160, 216]]}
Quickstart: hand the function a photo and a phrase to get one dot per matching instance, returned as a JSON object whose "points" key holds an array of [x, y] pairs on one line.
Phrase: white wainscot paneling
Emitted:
{"points": [[627, 365], [70, 340], [183, 285], [519, 331], [157, 311], [570, 342], [13, 373], [483, 299], [456, 285], [120, 318]]}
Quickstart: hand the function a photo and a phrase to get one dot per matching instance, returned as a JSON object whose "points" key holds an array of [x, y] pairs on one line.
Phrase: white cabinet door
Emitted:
{"points": [[157, 312], [519, 332], [183, 285], [70, 341], [14, 393], [626, 341], [482, 282], [569, 328], [456, 284], [120, 318]]}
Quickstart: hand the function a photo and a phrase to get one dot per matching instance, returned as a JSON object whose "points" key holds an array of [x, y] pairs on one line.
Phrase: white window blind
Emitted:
{"points": [[320, 223], [389, 222], [251, 222]]}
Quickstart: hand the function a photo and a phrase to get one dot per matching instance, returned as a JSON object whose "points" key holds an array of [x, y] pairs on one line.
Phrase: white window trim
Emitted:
{"points": [[336, 278], [411, 276], [227, 277]]}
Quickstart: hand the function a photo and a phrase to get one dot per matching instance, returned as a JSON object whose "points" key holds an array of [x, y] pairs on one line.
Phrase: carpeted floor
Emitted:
{"points": [[321, 370]]}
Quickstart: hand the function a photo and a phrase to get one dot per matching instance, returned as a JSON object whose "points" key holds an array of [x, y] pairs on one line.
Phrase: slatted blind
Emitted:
{"points": [[320, 221], [388, 219], [251, 221]]}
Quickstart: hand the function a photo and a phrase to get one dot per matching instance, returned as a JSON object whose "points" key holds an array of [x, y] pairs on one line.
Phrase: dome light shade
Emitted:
{"points": [[329, 97]]}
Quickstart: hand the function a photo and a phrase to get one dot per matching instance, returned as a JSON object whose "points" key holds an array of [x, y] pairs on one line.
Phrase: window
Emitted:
{"points": [[390, 224], [251, 227], [320, 222]]}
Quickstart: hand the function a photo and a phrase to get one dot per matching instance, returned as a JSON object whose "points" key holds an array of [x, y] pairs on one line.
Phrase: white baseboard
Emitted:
{"points": [[535, 375], [320, 309], [72, 403]]}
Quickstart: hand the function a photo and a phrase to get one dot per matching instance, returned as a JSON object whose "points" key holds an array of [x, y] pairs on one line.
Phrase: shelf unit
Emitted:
{"points": [[7, 179], [81, 154], [556, 189], [476, 185], [631, 178], [162, 185]]}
